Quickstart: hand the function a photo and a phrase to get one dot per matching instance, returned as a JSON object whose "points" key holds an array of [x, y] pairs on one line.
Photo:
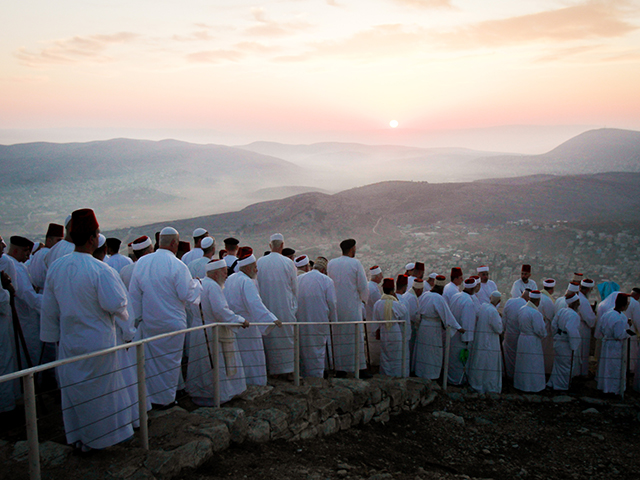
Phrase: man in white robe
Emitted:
{"points": [[28, 303], [37, 269], [487, 286], [115, 260], [612, 329], [8, 364], [547, 309], [410, 300], [436, 321], [392, 346], [243, 298], [417, 272], [561, 302], [199, 234], [316, 303], [278, 285], [62, 248], [566, 343], [485, 361], [197, 269], [375, 279], [454, 286], [83, 301], [200, 380], [529, 368], [523, 283], [512, 331], [160, 289], [350, 282], [464, 310], [303, 265], [141, 246], [231, 258], [587, 323]]}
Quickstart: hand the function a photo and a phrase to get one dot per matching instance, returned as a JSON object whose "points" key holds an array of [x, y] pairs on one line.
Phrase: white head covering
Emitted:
{"points": [[215, 264], [496, 294], [410, 266], [301, 261], [482, 268], [101, 240], [572, 299], [375, 270], [142, 245], [587, 283], [206, 242], [549, 282], [433, 275], [573, 287], [66, 221], [198, 232], [246, 261], [534, 294], [168, 231], [277, 236]]}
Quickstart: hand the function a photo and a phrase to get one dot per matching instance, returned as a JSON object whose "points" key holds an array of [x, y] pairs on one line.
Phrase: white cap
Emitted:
{"points": [[549, 282], [587, 283], [410, 266], [573, 287], [534, 294], [433, 275], [215, 264], [66, 221], [198, 232], [206, 242], [168, 231], [482, 268], [301, 261], [246, 261], [277, 236], [142, 245], [572, 299], [496, 294], [375, 270], [101, 240]]}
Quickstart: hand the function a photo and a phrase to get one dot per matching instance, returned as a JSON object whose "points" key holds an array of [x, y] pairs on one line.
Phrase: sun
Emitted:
{"points": [[393, 123]]}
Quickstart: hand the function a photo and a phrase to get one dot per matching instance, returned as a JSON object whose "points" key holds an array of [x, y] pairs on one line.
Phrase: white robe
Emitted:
{"points": [[374, 344], [243, 298], [278, 285], [351, 290], [59, 250], [160, 289], [485, 361], [83, 301], [613, 331], [231, 372], [486, 289], [37, 269], [316, 303], [28, 304], [391, 344], [519, 287], [198, 267], [410, 300], [117, 262], [7, 354], [192, 255], [511, 333], [566, 342], [464, 310], [546, 308], [126, 273], [435, 317], [529, 369], [450, 289], [588, 321]]}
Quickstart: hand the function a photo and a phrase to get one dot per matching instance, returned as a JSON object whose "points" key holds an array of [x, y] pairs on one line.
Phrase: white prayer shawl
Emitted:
{"points": [[410, 300], [118, 261], [37, 269], [316, 303], [391, 344], [8, 363], [588, 321], [351, 290], [435, 317], [485, 361], [126, 273], [546, 308], [160, 289], [192, 255], [486, 289], [28, 304], [59, 250], [566, 342], [464, 310], [613, 331], [83, 301], [450, 289], [529, 369], [231, 372], [519, 287], [278, 285], [243, 298], [374, 345], [511, 333]]}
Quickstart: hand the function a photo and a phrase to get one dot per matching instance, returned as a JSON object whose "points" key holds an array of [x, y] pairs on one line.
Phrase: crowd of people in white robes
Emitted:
{"points": [[77, 294]]}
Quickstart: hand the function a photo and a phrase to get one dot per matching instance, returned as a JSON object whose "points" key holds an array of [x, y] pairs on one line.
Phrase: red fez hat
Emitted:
{"points": [[84, 221], [419, 266], [456, 272], [55, 230], [184, 246], [17, 241], [402, 280], [388, 284], [244, 252], [526, 268]]}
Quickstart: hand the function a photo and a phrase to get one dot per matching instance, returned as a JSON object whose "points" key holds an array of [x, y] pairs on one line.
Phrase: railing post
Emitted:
{"points": [[405, 345], [216, 366], [356, 355], [296, 355], [31, 416], [142, 397]]}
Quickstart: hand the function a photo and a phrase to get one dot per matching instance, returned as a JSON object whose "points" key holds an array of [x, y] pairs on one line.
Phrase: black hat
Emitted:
{"points": [[231, 241], [113, 243], [17, 241], [288, 251], [347, 244]]}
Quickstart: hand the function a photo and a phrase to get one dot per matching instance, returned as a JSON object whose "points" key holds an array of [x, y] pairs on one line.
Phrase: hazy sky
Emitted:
{"points": [[281, 70]]}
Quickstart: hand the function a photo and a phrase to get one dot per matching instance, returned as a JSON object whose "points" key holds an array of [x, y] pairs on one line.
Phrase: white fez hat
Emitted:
{"points": [[301, 261], [198, 232], [587, 283], [168, 231], [215, 264], [206, 242], [572, 299], [482, 268], [277, 236], [375, 270], [101, 240], [573, 287], [549, 282], [534, 294], [142, 245], [246, 261]]}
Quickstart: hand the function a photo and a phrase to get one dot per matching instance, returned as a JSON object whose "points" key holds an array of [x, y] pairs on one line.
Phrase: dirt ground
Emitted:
{"points": [[500, 439]]}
